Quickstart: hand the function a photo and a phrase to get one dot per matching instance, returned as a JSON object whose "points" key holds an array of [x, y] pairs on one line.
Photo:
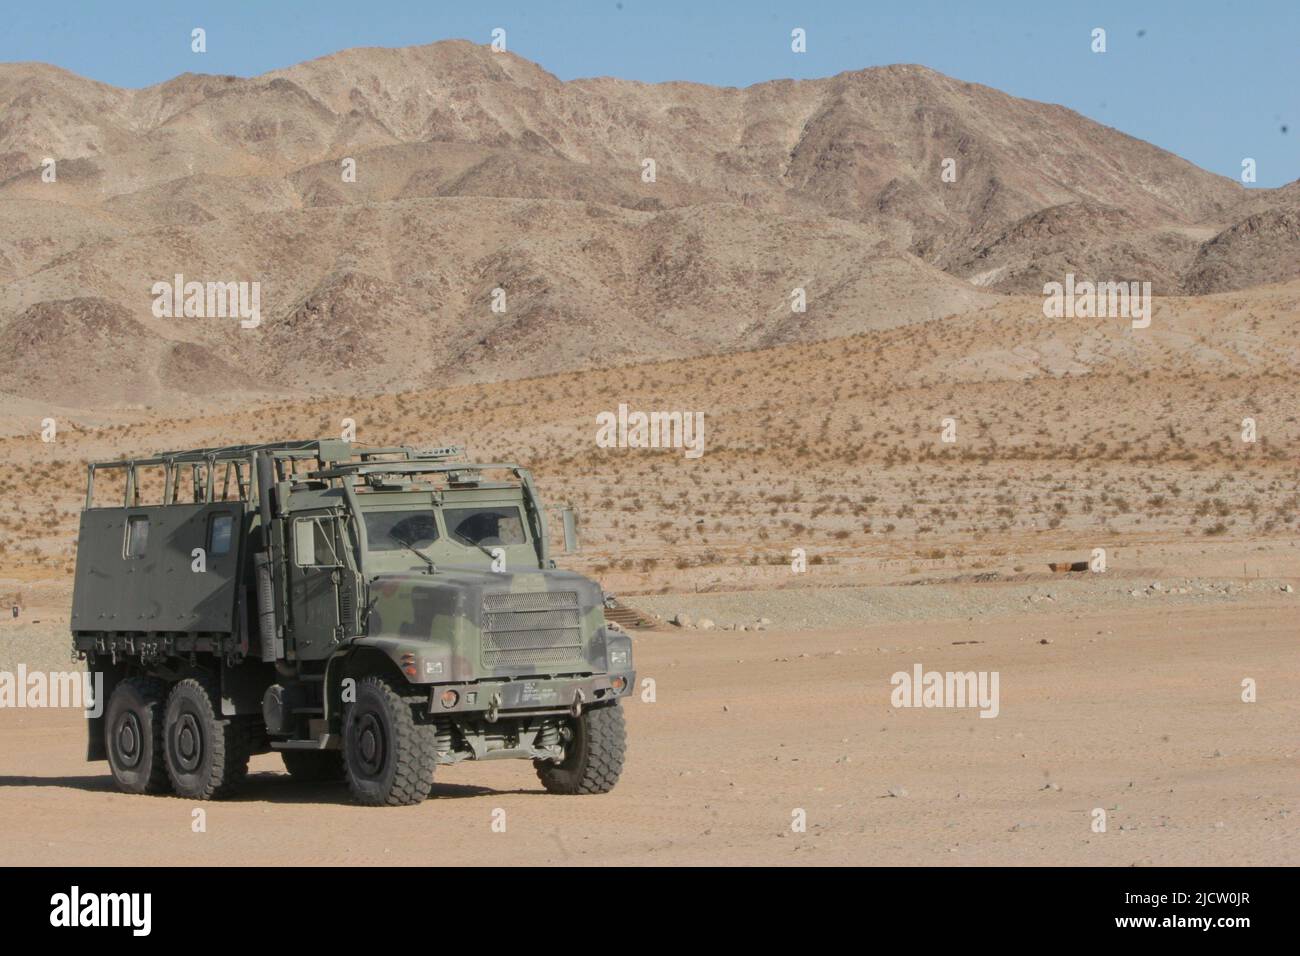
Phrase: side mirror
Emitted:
{"points": [[570, 519]]}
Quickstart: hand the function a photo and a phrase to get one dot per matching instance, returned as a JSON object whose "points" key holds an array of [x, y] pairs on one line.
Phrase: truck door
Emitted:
{"points": [[314, 576]]}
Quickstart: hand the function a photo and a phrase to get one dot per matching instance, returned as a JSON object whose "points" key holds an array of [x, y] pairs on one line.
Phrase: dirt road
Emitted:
{"points": [[1138, 712]]}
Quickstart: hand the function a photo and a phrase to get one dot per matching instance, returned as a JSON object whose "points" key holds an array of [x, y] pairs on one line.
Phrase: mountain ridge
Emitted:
{"points": [[478, 171]]}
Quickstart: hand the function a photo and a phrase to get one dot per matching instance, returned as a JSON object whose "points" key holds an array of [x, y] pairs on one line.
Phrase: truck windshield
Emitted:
{"points": [[395, 530], [491, 525]]}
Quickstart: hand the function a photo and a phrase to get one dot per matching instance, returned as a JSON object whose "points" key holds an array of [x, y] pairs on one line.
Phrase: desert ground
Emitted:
{"points": [[1120, 690], [1132, 707]]}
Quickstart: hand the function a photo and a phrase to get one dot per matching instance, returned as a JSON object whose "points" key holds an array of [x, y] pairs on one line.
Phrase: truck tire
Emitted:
{"points": [[313, 765], [133, 735], [593, 753], [387, 757], [206, 754]]}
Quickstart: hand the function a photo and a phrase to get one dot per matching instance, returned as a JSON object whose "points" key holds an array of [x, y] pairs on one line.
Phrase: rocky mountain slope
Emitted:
{"points": [[477, 171]]}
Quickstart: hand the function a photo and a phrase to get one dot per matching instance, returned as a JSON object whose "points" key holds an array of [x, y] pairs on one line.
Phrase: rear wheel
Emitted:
{"points": [[388, 758], [207, 755], [594, 746], [133, 735], [315, 765]]}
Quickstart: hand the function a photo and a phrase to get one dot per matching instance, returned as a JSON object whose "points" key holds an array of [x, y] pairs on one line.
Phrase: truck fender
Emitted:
{"points": [[363, 656]]}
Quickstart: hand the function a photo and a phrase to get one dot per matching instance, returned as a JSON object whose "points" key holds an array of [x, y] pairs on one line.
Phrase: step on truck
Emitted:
{"points": [[367, 612]]}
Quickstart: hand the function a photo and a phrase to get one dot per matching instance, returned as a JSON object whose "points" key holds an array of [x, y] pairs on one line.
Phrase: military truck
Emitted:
{"points": [[367, 612]]}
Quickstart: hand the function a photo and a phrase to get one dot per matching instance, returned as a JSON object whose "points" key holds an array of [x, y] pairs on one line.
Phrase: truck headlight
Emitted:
{"points": [[619, 657]]}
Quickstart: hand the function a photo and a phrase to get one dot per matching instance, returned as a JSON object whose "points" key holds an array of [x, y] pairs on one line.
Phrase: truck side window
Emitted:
{"points": [[313, 543], [219, 532], [137, 536]]}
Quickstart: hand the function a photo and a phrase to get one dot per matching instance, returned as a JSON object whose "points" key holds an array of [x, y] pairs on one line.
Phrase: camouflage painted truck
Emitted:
{"points": [[367, 612]]}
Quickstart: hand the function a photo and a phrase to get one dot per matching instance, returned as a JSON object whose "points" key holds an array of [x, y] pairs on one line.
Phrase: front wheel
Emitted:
{"points": [[594, 746], [388, 758]]}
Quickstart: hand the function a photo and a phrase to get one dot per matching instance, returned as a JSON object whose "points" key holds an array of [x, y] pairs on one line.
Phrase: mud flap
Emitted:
{"points": [[96, 749]]}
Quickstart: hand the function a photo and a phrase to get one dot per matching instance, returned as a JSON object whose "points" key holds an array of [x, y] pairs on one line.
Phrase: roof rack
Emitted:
{"points": [[324, 450], [328, 453], [408, 467]]}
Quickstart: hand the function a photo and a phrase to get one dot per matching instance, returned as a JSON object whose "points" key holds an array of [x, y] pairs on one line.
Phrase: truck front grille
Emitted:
{"points": [[541, 627]]}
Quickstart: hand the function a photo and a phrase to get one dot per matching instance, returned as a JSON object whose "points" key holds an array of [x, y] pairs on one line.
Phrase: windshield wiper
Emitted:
{"points": [[482, 547], [416, 551]]}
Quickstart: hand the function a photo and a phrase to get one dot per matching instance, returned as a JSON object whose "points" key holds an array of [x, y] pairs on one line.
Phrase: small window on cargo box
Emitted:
{"points": [[219, 534], [137, 536]]}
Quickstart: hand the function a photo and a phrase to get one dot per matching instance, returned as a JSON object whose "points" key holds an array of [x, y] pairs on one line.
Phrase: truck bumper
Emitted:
{"points": [[529, 696]]}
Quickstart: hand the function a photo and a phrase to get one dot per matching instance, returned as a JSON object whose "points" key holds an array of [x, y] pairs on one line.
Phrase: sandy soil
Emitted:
{"points": [[1134, 710]]}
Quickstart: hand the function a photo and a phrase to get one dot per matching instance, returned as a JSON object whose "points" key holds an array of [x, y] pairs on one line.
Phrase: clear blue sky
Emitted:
{"points": [[1211, 80]]}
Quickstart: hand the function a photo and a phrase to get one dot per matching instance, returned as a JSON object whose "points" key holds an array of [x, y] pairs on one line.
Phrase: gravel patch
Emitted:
{"points": [[807, 608]]}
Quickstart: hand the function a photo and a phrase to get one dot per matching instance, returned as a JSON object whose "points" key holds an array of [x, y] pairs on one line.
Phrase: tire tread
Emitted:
{"points": [[415, 747], [606, 749], [230, 740], [154, 692]]}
